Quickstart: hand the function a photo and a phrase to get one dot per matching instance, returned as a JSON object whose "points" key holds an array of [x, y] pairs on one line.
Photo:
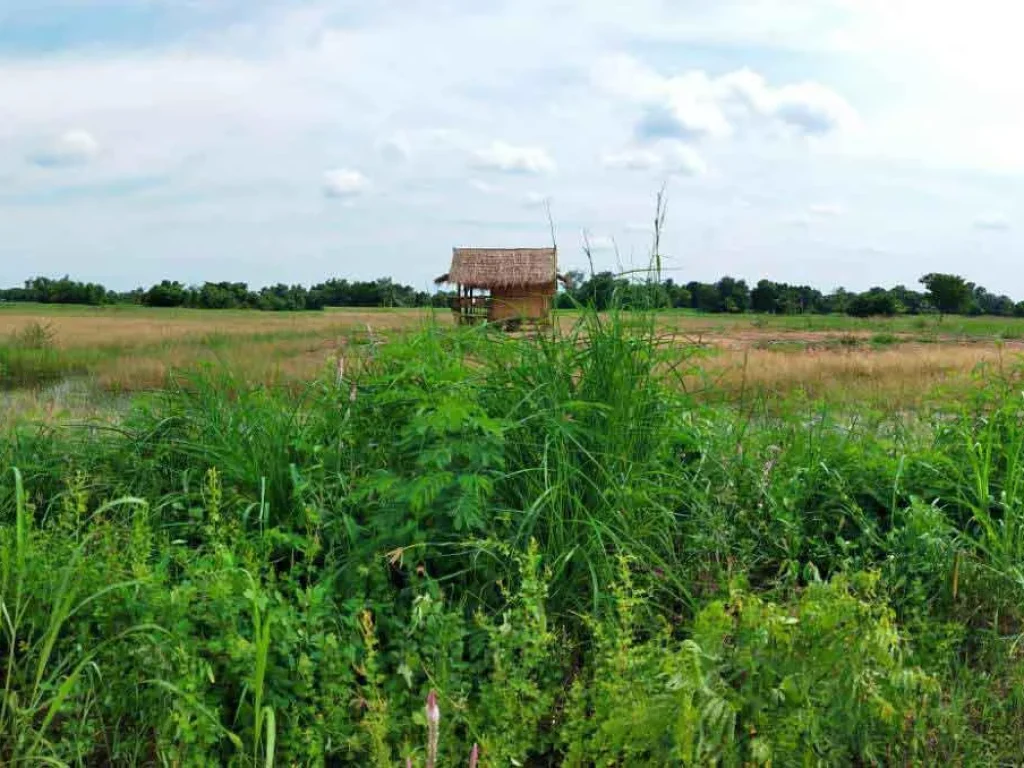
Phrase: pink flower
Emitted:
{"points": [[433, 730]]}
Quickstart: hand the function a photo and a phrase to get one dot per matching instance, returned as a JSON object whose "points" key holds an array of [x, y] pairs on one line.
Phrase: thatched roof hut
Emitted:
{"points": [[521, 283], [502, 267]]}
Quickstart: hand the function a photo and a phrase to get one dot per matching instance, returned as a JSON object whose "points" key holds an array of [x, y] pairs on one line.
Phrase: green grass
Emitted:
{"points": [[586, 565], [1006, 328], [950, 325]]}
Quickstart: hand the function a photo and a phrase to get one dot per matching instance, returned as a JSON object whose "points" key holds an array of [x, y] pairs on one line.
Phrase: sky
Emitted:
{"points": [[830, 142]]}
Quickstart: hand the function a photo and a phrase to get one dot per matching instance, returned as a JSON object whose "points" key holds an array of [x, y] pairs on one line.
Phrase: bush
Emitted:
{"points": [[582, 565], [820, 678]]}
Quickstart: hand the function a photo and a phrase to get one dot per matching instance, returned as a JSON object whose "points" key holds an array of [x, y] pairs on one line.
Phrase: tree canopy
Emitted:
{"points": [[949, 294], [944, 294]]}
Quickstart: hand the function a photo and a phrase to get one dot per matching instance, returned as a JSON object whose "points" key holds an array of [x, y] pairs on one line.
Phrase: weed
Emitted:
{"points": [[572, 555], [35, 335]]}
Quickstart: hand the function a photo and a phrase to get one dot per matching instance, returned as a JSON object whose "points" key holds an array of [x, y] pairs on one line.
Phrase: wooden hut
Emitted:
{"points": [[503, 285]]}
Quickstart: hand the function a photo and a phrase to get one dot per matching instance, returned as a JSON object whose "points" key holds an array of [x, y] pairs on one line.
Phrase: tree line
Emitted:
{"points": [[383, 292], [941, 294]]}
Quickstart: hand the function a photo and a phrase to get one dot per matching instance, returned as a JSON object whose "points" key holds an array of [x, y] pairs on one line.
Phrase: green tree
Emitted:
{"points": [[873, 302], [950, 294], [733, 295], [167, 294], [704, 296], [765, 297]]}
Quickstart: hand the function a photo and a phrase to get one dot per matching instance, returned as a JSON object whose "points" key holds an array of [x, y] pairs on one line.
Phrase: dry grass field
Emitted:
{"points": [[888, 364], [128, 349]]}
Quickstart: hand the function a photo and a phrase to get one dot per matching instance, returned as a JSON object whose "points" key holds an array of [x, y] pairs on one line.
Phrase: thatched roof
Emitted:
{"points": [[502, 267]]}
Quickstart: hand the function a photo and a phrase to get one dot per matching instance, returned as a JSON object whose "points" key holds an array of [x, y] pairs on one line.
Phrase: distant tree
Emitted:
{"points": [[945, 294], [765, 297], [676, 295], [949, 294], [601, 290], [570, 293], [574, 279], [45, 290], [703, 296], [984, 303], [838, 301], [802, 298], [733, 295], [909, 301], [165, 294], [223, 295], [876, 301]]}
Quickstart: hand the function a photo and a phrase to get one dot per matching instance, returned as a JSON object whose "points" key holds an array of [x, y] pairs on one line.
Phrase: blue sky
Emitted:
{"points": [[834, 142]]}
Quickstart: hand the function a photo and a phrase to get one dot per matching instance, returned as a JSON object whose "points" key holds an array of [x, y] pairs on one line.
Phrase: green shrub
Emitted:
{"points": [[579, 562], [820, 679]]}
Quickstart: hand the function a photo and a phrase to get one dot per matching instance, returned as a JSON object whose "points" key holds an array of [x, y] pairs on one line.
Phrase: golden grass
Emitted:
{"points": [[139, 328], [272, 361], [898, 376], [127, 350]]}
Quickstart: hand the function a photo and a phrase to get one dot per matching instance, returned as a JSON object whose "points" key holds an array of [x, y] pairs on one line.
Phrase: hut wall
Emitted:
{"points": [[531, 303]]}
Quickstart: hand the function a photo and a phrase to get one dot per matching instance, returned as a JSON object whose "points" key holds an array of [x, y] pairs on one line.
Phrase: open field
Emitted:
{"points": [[926, 328], [646, 539], [892, 363], [129, 348]]}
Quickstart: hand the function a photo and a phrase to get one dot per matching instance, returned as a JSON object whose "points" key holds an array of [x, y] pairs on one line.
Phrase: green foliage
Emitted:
{"points": [[63, 290], [525, 663], [444, 451], [30, 357], [383, 292], [947, 294], [950, 294], [583, 565], [876, 301], [818, 680]]}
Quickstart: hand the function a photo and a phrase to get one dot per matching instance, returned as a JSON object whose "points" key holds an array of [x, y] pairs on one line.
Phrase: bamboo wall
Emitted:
{"points": [[527, 303]]}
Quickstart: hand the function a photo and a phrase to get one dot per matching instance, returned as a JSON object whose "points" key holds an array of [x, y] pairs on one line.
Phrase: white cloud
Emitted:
{"points": [[625, 77], [695, 106], [344, 183], [993, 222], [634, 159], [395, 149], [681, 114], [808, 108], [811, 109], [234, 124], [683, 160], [671, 157], [75, 147], [508, 158]]}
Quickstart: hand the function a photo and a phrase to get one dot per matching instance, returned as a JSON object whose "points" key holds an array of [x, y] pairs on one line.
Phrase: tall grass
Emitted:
{"points": [[30, 357], [586, 564]]}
